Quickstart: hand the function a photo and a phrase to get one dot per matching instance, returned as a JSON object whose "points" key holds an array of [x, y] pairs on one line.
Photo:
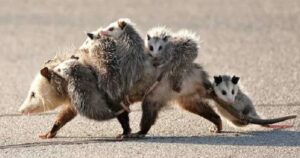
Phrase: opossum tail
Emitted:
{"points": [[269, 121]]}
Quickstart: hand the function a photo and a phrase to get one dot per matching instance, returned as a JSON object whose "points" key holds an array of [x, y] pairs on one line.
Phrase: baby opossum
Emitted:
{"points": [[226, 88], [173, 53], [131, 63], [103, 56]]}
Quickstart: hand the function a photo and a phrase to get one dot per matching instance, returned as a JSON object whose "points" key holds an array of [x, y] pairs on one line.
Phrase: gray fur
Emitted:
{"points": [[132, 59], [104, 57], [88, 99], [176, 56], [242, 103]]}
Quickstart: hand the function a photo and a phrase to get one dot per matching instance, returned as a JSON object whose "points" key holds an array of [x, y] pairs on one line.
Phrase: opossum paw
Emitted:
{"points": [[136, 135], [47, 135], [214, 129], [122, 136]]}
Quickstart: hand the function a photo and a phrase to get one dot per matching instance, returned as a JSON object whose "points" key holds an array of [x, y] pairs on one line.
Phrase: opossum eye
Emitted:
{"points": [[111, 29], [32, 95], [159, 48], [151, 48], [232, 91], [224, 92]]}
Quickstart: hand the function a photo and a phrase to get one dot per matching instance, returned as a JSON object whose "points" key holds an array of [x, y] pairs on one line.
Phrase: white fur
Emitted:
{"points": [[45, 97], [156, 44], [117, 31], [228, 97], [187, 34], [62, 68], [88, 42]]}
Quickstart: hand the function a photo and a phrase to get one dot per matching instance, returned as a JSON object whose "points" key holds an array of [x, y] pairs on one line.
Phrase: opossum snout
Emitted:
{"points": [[104, 33], [21, 110]]}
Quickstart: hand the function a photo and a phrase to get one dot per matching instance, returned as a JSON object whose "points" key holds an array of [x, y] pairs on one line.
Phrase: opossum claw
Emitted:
{"points": [[47, 135]]}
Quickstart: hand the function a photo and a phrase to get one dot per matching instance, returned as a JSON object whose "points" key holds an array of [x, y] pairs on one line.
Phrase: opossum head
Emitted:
{"points": [[156, 40], [117, 28], [226, 87], [90, 37], [47, 92], [64, 68]]}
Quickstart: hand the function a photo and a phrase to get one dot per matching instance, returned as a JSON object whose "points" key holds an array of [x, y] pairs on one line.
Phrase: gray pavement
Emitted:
{"points": [[257, 40]]}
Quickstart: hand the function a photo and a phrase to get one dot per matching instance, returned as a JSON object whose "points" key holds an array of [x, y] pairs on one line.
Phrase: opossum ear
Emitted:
{"points": [[148, 37], [46, 73], [90, 35], [166, 38], [74, 57], [235, 80], [122, 24], [218, 79]]}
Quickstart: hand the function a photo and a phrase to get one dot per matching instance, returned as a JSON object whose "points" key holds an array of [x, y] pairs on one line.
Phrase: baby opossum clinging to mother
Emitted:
{"points": [[226, 89], [140, 75], [188, 100], [173, 53]]}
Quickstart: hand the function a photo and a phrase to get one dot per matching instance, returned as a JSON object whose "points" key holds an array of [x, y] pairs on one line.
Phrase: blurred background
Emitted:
{"points": [[258, 40]]}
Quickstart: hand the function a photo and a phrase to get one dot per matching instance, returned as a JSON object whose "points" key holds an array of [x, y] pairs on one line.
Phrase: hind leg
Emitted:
{"points": [[124, 121], [200, 107], [64, 116]]}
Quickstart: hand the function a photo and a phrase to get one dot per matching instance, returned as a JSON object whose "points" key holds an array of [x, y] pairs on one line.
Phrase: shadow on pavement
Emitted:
{"points": [[265, 138]]}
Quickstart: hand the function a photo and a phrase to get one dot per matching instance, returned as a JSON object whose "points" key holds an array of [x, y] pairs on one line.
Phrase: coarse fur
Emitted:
{"points": [[131, 61], [173, 53], [84, 93], [87, 97], [195, 83], [89, 40], [226, 88], [104, 55], [45, 93], [191, 98]]}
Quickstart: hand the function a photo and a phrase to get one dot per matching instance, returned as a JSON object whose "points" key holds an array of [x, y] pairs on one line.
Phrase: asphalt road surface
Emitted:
{"points": [[256, 40]]}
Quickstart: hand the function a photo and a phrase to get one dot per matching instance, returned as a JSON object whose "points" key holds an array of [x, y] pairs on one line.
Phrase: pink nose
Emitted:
{"points": [[231, 101], [103, 33]]}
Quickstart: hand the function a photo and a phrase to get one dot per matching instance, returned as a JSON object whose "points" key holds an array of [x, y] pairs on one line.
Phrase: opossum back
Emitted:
{"points": [[88, 99]]}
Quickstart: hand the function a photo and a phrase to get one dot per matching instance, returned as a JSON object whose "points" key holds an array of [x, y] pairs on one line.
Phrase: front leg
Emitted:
{"points": [[123, 119], [150, 110], [64, 116]]}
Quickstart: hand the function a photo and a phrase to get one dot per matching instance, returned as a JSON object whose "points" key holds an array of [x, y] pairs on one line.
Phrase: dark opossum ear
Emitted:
{"points": [[90, 35], [122, 24], [46, 73], [218, 79], [235, 79], [148, 37], [166, 38], [74, 57]]}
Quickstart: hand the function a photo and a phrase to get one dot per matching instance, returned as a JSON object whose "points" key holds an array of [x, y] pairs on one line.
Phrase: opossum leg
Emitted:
{"points": [[66, 115], [123, 119], [278, 126], [150, 110], [201, 108], [241, 118]]}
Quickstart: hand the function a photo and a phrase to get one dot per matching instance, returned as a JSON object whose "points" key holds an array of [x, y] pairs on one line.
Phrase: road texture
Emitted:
{"points": [[256, 40]]}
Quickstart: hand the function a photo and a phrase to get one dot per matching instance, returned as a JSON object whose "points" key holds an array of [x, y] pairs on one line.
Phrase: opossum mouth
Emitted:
{"points": [[31, 111]]}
